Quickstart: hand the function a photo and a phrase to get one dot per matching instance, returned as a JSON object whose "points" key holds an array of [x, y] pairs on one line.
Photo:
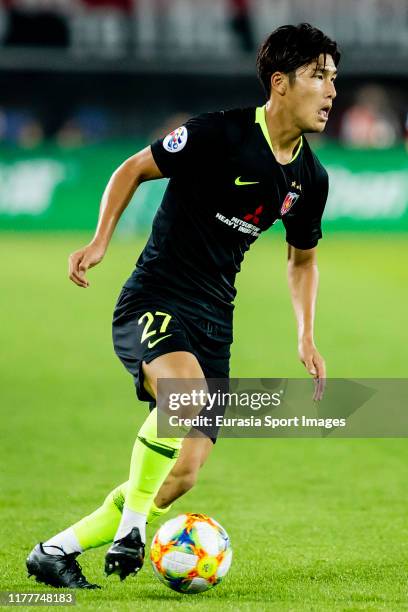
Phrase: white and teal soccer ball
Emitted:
{"points": [[191, 553]]}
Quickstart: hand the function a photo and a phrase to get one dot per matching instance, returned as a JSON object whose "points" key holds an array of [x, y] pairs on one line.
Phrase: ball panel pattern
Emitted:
{"points": [[191, 553]]}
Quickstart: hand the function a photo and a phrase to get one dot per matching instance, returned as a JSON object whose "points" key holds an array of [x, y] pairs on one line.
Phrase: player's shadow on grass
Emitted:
{"points": [[151, 592], [347, 582]]}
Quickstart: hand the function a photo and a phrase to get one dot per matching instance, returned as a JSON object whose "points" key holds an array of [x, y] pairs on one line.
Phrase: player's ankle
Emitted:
{"points": [[131, 519], [65, 542]]}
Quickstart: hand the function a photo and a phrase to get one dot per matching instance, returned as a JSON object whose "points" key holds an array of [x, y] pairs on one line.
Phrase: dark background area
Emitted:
{"points": [[89, 70], [125, 99]]}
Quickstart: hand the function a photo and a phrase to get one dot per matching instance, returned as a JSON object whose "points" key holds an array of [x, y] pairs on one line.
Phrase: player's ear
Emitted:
{"points": [[279, 83]]}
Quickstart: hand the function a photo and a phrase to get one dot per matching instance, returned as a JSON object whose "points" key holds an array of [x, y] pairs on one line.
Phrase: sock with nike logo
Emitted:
{"points": [[152, 460], [99, 527]]}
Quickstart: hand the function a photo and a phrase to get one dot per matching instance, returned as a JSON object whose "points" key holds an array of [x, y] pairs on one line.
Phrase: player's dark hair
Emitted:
{"points": [[290, 47]]}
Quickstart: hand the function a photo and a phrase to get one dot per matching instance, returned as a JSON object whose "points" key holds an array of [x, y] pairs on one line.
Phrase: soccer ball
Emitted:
{"points": [[191, 553]]}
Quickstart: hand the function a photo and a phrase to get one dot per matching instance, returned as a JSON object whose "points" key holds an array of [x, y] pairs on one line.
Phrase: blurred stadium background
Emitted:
{"points": [[86, 83]]}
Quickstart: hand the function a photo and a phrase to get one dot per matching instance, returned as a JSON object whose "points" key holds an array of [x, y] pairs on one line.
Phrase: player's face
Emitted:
{"points": [[310, 97]]}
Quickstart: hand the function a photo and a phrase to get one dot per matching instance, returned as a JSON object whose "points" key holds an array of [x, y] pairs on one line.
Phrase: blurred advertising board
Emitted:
{"points": [[50, 188]]}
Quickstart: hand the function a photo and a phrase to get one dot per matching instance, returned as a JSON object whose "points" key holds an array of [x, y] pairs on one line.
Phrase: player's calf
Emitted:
{"points": [[184, 474]]}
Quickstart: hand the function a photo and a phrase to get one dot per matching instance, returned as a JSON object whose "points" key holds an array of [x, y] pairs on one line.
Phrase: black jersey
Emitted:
{"points": [[225, 188]]}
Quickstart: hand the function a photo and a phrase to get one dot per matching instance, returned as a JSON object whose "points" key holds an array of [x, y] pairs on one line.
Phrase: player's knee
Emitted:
{"points": [[182, 371]]}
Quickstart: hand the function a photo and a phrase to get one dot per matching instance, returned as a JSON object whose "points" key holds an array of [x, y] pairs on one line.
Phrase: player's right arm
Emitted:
{"points": [[117, 195]]}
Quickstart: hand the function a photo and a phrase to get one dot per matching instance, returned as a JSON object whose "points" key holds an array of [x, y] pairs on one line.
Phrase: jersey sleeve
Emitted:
{"points": [[192, 147], [305, 230]]}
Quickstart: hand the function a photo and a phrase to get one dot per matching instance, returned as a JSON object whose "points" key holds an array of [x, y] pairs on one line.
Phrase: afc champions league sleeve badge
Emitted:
{"points": [[176, 140]]}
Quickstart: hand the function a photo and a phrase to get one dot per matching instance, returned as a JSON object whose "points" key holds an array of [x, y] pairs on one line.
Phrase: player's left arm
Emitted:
{"points": [[303, 279]]}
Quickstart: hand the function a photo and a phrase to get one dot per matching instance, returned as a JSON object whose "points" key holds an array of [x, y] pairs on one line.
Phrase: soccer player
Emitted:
{"points": [[232, 175]]}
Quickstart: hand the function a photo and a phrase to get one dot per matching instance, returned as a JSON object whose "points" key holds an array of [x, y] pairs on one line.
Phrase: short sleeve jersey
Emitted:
{"points": [[225, 188]]}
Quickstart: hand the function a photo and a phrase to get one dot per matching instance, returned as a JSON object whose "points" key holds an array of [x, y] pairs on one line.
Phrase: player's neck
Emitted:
{"points": [[283, 134]]}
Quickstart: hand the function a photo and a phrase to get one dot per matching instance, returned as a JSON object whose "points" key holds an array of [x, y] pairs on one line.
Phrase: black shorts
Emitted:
{"points": [[146, 326]]}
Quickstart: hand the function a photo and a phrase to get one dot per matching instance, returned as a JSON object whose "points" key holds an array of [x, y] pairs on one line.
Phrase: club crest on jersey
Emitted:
{"points": [[288, 202], [176, 140]]}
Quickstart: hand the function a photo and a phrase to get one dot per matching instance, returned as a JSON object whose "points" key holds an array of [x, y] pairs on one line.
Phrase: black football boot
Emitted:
{"points": [[125, 556], [57, 570]]}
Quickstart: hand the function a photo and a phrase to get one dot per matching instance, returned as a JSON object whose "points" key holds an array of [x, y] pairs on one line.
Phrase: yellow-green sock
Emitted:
{"points": [[99, 528], [155, 513], [152, 460]]}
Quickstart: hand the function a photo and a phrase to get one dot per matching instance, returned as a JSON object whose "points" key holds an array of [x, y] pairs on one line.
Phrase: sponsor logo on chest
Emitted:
{"points": [[240, 225]]}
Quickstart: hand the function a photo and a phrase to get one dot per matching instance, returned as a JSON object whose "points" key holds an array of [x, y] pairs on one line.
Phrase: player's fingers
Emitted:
{"points": [[83, 265], [320, 367], [74, 273], [83, 269], [316, 390], [320, 379], [320, 385], [81, 282], [71, 262], [310, 367], [74, 262]]}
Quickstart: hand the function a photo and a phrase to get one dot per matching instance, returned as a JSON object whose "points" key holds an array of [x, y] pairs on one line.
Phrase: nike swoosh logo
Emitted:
{"points": [[151, 344], [239, 182]]}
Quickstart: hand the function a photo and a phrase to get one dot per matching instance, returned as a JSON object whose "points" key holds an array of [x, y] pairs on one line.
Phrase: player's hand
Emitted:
{"points": [[315, 365], [80, 261]]}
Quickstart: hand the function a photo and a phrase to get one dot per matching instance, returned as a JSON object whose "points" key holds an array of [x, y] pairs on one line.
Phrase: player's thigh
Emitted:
{"points": [[176, 365]]}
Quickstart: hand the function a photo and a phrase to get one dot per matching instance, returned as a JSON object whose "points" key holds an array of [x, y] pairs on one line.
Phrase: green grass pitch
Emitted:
{"points": [[315, 524]]}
